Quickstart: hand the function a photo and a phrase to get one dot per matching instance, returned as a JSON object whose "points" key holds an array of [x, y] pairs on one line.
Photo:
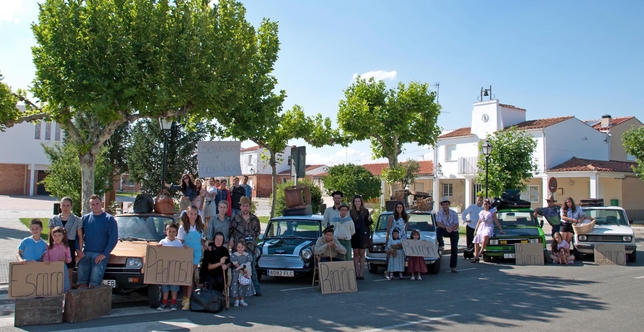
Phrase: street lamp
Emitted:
{"points": [[487, 149], [166, 127]]}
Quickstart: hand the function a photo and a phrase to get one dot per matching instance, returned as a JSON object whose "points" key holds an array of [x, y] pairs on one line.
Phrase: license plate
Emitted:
{"points": [[508, 255], [109, 282], [280, 273], [524, 241], [504, 242]]}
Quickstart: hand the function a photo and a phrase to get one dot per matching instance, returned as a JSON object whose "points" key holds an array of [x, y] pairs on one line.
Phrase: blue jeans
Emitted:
{"points": [[169, 288], [555, 229], [453, 239], [90, 272]]}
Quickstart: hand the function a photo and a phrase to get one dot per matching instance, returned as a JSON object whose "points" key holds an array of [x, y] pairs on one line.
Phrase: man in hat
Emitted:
{"points": [[344, 228], [245, 226], [333, 211], [551, 213], [328, 247], [447, 221]]}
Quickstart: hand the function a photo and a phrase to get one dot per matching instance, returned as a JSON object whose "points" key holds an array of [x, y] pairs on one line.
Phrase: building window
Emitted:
{"points": [[47, 131], [531, 194], [447, 189], [450, 154], [57, 132], [419, 186], [630, 157], [38, 130]]}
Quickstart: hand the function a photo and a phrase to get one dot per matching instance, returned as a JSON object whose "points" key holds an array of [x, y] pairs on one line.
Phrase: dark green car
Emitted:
{"points": [[520, 226]]}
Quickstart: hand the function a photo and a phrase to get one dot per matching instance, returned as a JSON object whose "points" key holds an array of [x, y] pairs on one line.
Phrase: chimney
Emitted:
{"points": [[607, 121]]}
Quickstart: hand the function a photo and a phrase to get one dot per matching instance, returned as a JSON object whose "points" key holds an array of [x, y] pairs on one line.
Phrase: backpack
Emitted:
{"points": [[143, 203]]}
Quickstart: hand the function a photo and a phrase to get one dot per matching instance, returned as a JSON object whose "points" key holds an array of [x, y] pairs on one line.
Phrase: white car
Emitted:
{"points": [[611, 227]]}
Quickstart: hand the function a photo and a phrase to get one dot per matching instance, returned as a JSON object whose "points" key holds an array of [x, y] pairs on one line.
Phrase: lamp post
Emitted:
{"points": [[487, 149], [166, 127]]}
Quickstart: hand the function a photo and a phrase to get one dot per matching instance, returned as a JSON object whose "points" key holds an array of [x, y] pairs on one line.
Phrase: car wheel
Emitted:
{"points": [[373, 268], [632, 257], [546, 259], [436, 267], [154, 295], [577, 254], [487, 258]]}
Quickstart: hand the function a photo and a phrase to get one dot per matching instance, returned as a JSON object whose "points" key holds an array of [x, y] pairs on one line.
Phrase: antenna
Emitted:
{"points": [[438, 87]]}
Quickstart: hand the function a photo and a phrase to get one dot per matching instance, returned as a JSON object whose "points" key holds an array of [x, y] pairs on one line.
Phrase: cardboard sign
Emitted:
{"points": [[528, 253], [168, 266], [337, 277], [419, 248], [610, 254], [219, 158], [36, 280]]}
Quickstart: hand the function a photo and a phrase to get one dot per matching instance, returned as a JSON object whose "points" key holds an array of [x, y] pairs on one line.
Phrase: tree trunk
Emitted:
{"points": [[87, 161], [273, 162]]}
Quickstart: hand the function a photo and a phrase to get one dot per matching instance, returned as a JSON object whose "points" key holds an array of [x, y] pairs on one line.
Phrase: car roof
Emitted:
{"points": [[313, 217], [408, 212], [516, 210], [602, 208]]}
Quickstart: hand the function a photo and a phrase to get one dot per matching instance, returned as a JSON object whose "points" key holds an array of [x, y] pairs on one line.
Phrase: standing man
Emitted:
{"points": [[245, 226], [249, 189], [334, 211], [447, 220], [101, 235], [236, 193], [551, 213], [471, 218]]}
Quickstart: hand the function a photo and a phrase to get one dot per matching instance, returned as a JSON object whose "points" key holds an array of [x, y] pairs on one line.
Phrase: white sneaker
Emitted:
{"points": [[413, 278], [236, 303], [420, 278], [243, 303]]}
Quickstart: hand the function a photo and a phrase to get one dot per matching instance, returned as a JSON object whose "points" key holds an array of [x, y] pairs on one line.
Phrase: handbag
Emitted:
{"points": [[206, 299], [163, 203]]}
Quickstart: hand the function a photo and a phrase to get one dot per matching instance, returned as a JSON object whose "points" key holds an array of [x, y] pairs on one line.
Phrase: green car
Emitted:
{"points": [[520, 226]]}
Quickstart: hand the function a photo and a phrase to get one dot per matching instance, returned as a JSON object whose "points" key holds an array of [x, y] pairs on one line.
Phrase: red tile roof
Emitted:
{"points": [[588, 165], [308, 168], [615, 121], [252, 148], [426, 167], [466, 131], [540, 123], [512, 106]]}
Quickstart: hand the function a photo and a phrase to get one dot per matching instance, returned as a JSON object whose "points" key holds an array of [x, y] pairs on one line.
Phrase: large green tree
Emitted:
{"points": [[116, 61], [351, 180], [511, 163], [145, 153], [389, 118], [633, 141]]}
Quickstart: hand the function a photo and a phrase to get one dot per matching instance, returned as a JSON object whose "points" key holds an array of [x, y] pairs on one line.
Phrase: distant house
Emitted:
{"points": [[313, 173], [423, 182], [259, 171]]}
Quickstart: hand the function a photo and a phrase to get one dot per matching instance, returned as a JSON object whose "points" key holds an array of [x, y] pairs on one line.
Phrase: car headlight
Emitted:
{"points": [[377, 248], [583, 237], [534, 241], [627, 238], [306, 254], [134, 263], [494, 242]]}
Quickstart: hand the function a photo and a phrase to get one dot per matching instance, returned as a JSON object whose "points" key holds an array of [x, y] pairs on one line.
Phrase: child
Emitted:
{"points": [[344, 229], [328, 247], [416, 264], [241, 285], [171, 240], [397, 255], [561, 251], [32, 248], [58, 250], [191, 233]]}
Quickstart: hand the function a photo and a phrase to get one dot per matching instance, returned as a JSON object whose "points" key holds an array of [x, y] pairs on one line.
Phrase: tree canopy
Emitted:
{"points": [[510, 162], [633, 141], [352, 179], [389, 118]]}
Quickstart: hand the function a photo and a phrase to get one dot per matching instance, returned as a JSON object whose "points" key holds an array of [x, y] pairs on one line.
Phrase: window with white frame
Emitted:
{"points": [[450, 152], [447, 189], [38, 128], [531, 194]]}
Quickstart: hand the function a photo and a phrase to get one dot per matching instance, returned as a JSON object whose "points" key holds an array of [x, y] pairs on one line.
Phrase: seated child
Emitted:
{"points": [[327, 246]]}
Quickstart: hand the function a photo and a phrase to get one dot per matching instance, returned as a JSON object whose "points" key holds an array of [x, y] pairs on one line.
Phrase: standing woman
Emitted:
{"points": [[201, 194], [210, 207], [362, 221], [484, 229], [398, 220], [191, 234], [188, 191], [224, 195], [74, 227], [570, 214]]}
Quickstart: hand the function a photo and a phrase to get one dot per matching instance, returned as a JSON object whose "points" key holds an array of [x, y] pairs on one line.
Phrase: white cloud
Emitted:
{"points": [[9, 9], [378, 75]]}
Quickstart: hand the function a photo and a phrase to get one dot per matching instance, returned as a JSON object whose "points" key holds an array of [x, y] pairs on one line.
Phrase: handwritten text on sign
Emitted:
{"points": [[168, 266], [337, 277], [36, 280], [610, 254], [419, 248], [529, 253], [218, 158]]}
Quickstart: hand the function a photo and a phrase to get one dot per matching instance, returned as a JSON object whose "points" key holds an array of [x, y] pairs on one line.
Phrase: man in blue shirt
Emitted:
{"points": [[447, 220], [551, 213], [249, 189], [101, 235], [471, 218]]}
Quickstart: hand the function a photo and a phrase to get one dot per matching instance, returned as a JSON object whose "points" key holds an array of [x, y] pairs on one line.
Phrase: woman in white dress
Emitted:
{"points": [[484, 229]]}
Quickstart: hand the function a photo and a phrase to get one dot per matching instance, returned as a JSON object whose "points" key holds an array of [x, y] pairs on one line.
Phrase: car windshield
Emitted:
{"points": [[295, 228], [144, 228], [420, 221], [516, 218], [606, 216]]}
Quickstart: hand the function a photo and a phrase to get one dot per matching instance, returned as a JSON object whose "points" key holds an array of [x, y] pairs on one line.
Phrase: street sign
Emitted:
{"points": [[552, 185]]}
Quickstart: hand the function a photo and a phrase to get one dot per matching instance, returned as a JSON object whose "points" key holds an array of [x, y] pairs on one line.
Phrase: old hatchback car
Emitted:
{"points": [[420, 220], [611, 227], [124, 271], [285, 247], [520, 226]]}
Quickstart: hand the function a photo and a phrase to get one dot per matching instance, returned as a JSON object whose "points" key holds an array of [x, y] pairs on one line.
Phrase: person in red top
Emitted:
{"points": [[58, 251]]}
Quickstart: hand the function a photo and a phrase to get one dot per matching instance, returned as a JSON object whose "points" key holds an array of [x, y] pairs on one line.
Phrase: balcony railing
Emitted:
{"points": [[467, 165]]}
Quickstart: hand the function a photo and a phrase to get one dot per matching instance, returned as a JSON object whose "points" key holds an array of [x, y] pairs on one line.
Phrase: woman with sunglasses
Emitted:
{"points": [[188, 191]]}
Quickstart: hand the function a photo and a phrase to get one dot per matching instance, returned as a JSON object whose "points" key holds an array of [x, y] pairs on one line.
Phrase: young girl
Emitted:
{"points": [[416, 264], [58, 250], [171, 231], [201, 195], [561, 251], [396, 255], [191, 233], [240, 285]]}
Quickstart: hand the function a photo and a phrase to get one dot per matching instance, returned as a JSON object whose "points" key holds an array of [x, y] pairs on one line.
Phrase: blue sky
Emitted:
{"points": [[554, 58]]}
